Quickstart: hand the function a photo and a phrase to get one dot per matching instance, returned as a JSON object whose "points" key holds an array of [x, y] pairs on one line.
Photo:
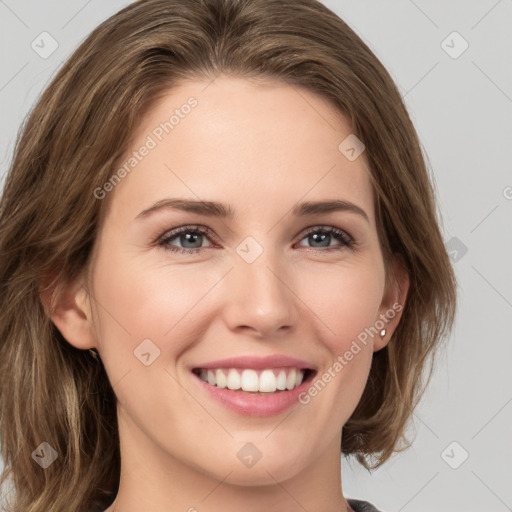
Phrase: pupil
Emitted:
{"points": [[189, 236], [323, 236], [316, 237]]}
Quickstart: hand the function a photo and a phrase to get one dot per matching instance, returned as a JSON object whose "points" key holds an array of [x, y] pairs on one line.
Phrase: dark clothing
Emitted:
{"points": [[362, 506]]}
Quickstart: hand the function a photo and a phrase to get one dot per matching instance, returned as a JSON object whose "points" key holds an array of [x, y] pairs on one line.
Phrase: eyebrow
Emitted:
{"points": [[216, 209]]}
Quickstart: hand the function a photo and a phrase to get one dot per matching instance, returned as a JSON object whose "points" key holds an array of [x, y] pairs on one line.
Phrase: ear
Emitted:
{"points": [[70, 310], [393, 302]]}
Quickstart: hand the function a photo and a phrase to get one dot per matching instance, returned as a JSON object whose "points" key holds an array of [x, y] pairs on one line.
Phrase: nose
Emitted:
{"points": [[259, 297]]}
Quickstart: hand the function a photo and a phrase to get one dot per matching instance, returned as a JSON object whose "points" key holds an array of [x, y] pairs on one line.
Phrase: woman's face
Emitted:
{"points": [[263, 282]]}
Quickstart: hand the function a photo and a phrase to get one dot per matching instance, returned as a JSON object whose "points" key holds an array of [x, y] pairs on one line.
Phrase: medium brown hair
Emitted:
{"points": [[49, 216]]}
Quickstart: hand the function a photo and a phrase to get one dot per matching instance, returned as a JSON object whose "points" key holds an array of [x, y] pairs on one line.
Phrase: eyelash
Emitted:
{"points": [[346, 240]]}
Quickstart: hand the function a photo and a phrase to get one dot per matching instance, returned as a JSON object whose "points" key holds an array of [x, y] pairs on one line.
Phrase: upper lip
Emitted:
{"points": [[258, 363]]}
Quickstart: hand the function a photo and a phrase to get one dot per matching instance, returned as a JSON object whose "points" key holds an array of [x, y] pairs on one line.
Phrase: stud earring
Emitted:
{"points": [[383, 333]]}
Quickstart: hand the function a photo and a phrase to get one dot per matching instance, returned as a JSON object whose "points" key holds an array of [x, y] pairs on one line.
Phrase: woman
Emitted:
{"points": [[143, 373]]}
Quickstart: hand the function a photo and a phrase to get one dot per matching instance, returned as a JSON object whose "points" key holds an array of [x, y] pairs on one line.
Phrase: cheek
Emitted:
{"points": [[345, 303], [345, 300], [142, 301], [139, 301]]}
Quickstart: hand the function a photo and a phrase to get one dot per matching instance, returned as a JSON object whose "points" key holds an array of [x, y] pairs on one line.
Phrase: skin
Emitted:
{"points": [[260, 149]]}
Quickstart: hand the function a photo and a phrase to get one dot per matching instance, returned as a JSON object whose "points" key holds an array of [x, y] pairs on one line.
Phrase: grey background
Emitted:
{"points": [[462, 110]]}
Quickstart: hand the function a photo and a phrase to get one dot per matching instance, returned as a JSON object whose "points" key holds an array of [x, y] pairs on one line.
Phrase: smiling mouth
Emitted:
{"points": [[264, 381]]}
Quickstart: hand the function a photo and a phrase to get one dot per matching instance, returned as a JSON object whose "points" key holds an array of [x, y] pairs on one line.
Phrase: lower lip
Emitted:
{"points": [[255, 404]]}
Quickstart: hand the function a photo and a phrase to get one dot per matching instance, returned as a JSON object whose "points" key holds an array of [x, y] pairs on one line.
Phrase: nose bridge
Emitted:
{"points": [[262, 298]]}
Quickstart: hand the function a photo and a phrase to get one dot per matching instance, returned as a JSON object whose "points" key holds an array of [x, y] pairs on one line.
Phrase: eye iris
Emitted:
{"points": [[323, 236], [188, 236]]}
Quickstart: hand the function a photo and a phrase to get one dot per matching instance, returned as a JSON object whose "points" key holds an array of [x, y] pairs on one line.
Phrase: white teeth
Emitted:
{"points": [[266, 381], [233, 379], [281, 380], [221, 379], [290, 381], [249, 380]]}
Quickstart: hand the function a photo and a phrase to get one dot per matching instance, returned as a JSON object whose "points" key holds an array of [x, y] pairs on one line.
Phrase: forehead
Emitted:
{"points": [[248, 144]]}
